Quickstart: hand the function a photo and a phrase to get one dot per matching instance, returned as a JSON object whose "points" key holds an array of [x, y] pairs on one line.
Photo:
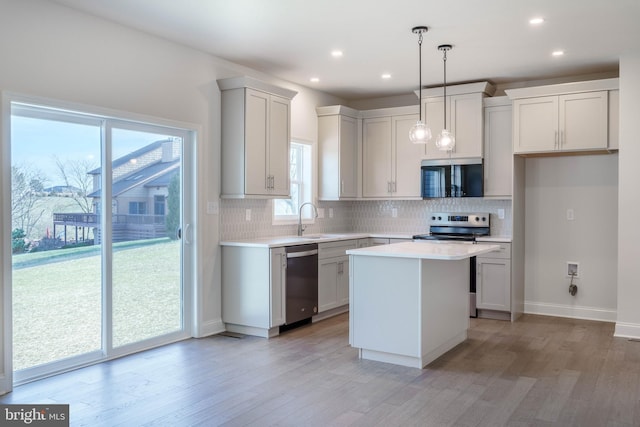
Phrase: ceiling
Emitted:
{"points": [[293, 39]]}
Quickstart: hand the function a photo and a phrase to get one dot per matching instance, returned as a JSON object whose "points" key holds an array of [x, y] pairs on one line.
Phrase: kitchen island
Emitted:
{"points": [[409, 302]]}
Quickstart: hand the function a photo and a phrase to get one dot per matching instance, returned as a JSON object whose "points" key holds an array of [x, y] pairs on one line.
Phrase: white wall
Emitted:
{"points": [[628, 323], [50, 51], [588, 185]]}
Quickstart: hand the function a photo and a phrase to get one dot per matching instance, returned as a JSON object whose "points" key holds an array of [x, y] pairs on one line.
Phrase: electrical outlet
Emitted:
{"points": [[247, 214], [394, 212], [570, 216], [330, 212], [572, 268], [320, 213], [500, 213]]}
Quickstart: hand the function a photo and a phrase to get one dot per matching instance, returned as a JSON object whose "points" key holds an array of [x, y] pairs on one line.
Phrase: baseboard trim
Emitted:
{"points": [[627, 330], [211, 327], [570, 311]]}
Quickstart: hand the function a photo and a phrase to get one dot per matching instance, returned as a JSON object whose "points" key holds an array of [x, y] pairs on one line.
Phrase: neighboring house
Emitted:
{"points": [[138, 195]]}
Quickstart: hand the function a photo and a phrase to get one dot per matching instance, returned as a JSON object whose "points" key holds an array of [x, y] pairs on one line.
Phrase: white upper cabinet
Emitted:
{"points": [[545, 120], [614, 118], [256, 127], [406, 158], [561, 123], [390, 162], [464, 119], [498, 149], [337, 152], [376, 157]]}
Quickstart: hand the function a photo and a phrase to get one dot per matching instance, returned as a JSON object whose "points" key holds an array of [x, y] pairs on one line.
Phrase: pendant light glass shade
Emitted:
{"points": [[420, 132], [445, 141]]}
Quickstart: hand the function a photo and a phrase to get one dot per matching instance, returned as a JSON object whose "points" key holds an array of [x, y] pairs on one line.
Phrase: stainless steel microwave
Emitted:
{"points": [[452, 178]]}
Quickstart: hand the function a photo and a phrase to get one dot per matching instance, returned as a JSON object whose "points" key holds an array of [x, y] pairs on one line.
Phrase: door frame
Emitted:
{"points": [[190, 133]]}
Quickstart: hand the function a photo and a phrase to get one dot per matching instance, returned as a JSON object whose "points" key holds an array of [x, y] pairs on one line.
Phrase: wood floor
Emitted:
{"points": [[539, 371]]}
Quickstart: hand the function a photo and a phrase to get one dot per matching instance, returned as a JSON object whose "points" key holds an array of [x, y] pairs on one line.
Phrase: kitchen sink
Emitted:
{"points": [[321, 236]]}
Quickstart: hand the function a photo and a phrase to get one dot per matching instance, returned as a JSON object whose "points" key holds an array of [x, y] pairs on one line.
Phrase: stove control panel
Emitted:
{"points": [[460, 219]]}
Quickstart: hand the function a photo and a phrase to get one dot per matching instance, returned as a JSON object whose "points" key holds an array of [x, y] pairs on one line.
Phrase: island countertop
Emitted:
{"points": [[427, 250]]}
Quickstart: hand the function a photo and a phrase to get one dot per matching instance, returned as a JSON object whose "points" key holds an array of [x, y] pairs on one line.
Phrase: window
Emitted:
{"points": [[158, 205], [137, 208], [301, 177]]}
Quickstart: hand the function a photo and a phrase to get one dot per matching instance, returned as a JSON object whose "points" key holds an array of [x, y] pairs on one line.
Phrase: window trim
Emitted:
{"points": [[293, 219]]}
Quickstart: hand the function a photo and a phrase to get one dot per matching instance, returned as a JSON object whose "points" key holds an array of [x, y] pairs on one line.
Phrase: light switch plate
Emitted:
{"points": [[500, 213], [320, 212], [213, 208], [394, 212], [330, 212], [247, 214]]}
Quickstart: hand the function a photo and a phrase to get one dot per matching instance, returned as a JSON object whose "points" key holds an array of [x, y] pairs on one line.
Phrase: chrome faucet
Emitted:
{"points": [[301, 227]]}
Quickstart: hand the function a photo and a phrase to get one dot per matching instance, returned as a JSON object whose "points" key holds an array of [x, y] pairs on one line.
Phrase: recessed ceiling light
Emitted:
{"points": [[386, 76], [336, 53], [536, 21], [314, 79], [557, 53]]}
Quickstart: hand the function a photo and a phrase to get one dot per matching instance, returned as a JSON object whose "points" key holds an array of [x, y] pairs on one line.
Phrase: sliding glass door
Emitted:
{"points": [[145, 235], [56, 277], [98, 254]]}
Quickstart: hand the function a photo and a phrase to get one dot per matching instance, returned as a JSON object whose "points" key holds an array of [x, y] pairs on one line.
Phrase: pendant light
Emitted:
{"points": [[420, 132], [445, 141]]}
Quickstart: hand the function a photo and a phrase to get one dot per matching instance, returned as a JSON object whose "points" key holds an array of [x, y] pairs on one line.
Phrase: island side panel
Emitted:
{"points": [[384, 306], [445, 306]]}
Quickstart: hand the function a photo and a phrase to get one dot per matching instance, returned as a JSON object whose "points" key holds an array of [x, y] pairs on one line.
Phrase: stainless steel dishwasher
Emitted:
{"points": [[301, 282]]}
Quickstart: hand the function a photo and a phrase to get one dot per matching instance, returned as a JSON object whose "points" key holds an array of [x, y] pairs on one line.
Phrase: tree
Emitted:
{"points": [[18, 243], [25, 185], [172, 220], [75, 175]]}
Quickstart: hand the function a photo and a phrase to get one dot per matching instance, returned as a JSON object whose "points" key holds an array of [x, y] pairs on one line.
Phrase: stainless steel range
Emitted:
{"points": [[460, 227], [456, 226]]}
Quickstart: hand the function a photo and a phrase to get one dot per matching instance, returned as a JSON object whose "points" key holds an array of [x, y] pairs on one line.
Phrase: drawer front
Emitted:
{"points": [[504, 252], [335, 249]]}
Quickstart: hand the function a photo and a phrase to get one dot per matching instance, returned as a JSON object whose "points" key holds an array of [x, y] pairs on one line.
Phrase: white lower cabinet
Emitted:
{"points": [[493, 280], [364, 243], [253, 289], [333, 274], [376, 241]]}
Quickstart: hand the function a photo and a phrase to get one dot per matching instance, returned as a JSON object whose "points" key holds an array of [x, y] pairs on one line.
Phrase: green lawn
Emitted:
{"points": [[57, 299]]}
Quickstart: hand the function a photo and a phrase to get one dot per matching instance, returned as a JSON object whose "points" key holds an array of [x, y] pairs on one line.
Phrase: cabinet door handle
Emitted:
{"points": [[388, 186], [395, 187]]}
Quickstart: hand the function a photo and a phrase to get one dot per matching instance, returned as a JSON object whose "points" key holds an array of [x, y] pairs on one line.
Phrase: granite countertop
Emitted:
{"points": [[426, 250]]}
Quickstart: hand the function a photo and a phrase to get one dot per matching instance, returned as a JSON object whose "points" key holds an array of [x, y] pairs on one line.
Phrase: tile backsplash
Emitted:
{"points": [[412, 216]]}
